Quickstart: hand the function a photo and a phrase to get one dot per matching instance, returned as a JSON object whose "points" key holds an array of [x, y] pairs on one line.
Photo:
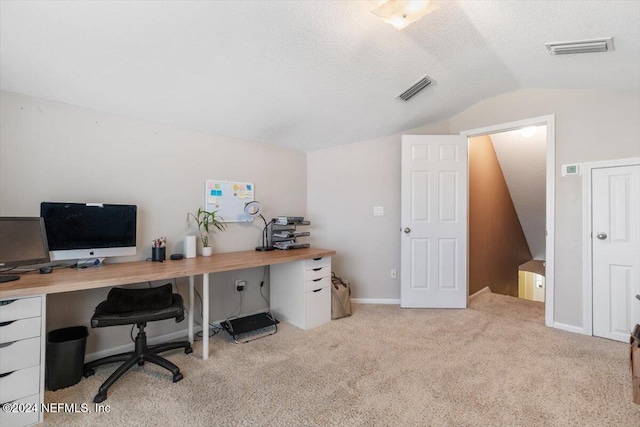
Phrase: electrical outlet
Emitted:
{"points": [[240, 284], [394, 274]]}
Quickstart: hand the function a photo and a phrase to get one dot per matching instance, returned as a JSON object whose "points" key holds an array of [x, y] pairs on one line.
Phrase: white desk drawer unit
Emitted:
{"points": [[300, 292], [11, 419], [20, 329], [21, 358], [17, 384], [20, 309]]}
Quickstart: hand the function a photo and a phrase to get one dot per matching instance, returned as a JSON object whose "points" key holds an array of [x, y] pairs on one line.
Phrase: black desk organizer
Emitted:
{"points": [[284, 236], [248, 324]]}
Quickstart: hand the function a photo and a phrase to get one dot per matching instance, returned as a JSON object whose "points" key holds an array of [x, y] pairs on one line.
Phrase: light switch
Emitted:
{"points": [[378, 211]]}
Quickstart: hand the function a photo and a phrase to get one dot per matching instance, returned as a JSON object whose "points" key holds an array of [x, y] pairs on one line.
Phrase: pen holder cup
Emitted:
{"points": [[158, 254]]}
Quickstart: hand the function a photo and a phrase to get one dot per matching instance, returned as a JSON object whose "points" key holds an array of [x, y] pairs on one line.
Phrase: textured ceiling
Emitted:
{"points": [[523, 162], [304, 74]]}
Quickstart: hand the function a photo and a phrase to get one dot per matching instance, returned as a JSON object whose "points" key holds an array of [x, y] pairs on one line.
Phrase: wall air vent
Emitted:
{"points": [[415, 88], [580, 46]]}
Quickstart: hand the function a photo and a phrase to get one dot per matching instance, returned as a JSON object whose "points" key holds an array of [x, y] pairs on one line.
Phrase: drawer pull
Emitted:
{"points": [[317, 259], [6, 323], [7, 302], [7, 344], [317, 290], [317, 280], [6, 374], [317, 269]]}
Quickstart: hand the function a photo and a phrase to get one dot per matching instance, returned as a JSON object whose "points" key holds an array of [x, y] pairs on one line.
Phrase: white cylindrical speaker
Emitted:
{"points": [[189, 246]]}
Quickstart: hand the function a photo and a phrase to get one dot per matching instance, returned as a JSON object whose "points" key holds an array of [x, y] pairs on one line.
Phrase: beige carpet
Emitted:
{"points": [[494, 364]]}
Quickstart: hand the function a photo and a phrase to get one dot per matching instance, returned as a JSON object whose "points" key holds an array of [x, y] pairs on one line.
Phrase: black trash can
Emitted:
{"points": [[65, 356]]}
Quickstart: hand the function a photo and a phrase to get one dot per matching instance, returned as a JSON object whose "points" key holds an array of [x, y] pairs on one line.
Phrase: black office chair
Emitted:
{"points": [[137, 306]]}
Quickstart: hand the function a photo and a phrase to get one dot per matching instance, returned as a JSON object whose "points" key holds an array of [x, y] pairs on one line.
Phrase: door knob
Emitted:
{"points": [[601, 236], [407, 230]]}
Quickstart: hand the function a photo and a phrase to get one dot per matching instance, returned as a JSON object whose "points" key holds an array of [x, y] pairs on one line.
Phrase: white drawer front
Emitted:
{"points": [[318, 307], [19, 355], [317, 273], [18, 384], [317, 262], [20, 329], [21, 309], [21, 419], [313, 285]]}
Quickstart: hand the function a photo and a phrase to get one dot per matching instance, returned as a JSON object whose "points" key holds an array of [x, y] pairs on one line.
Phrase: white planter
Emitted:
{"points": [[207, 251]]}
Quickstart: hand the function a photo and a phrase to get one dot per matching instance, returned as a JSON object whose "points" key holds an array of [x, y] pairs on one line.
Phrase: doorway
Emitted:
{"points": [[435, 168], [506, 207], [548, 122]]}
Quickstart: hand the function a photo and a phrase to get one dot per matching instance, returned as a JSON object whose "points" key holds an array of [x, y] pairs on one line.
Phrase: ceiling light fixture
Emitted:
{"points": [[401, 13], [580, 46], [529, 131]]}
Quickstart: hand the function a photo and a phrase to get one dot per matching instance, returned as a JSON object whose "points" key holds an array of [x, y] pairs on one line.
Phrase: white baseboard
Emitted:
{"points": [[569, 328], [376, 301], [173, 336]]}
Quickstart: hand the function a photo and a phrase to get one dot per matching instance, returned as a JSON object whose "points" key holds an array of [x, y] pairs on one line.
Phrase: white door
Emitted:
{"points": [[434, 221], [615, 243]]}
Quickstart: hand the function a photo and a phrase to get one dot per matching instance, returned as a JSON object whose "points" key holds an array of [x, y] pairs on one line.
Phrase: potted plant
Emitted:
{"points": [[207, 221]]}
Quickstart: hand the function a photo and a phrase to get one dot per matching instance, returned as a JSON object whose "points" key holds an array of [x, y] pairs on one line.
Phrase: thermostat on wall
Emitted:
{"points": [[571, 169]]}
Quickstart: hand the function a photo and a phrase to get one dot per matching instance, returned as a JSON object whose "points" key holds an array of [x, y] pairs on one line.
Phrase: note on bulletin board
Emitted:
{"points": [[229, 199]]}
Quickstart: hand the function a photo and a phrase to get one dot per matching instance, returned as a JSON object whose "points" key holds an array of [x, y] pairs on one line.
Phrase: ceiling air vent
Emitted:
{"points": [[580, 46], [415, 88]]}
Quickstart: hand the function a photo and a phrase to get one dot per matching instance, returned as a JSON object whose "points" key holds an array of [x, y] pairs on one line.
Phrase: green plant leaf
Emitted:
{"points": [[206, 221]]}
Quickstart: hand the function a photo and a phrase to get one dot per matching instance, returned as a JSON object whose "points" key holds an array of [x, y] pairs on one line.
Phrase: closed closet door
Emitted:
{"points": [[615, 239]]}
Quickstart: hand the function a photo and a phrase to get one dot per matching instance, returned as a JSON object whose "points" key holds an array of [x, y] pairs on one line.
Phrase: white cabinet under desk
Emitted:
{"points": [[22, 348], [300, 292]]}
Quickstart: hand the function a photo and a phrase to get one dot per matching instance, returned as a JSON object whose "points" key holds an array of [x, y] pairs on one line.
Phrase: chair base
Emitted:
{"points": [[139, 356]]}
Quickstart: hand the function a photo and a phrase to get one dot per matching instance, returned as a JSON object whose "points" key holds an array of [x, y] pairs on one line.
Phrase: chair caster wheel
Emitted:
{"points": [[188, 350], [140, 363], [177, 377], [87, 372], [99, 398]]}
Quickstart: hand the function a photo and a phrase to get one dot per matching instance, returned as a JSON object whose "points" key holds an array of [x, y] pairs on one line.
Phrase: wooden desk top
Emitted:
{"points": [[65, 280]]}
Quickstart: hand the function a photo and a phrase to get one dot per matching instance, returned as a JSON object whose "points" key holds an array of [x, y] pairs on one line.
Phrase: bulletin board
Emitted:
{"points": [[229, 199]]}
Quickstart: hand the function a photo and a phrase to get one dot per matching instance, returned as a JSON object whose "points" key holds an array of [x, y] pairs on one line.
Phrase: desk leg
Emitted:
{"points": [[205, 316], [191, 307]]}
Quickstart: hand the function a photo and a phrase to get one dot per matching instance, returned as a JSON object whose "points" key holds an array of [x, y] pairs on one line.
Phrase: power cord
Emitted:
{"points": [[239, 309], [213, 329], [264, 274]]}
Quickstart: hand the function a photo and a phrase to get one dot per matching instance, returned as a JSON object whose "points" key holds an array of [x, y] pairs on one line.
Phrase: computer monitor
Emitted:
{"points": [[83, 231], [23, 241]]}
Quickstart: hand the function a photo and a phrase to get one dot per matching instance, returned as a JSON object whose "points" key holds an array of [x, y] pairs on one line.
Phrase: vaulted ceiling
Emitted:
{"points": [[304, 74]]}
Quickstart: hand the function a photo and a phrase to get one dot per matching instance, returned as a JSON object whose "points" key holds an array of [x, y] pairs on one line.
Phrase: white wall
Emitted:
{"points": [[590, 125], [51, 151], [345, 183]]}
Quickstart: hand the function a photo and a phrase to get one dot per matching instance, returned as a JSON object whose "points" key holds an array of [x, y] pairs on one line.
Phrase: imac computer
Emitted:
{"points": [[23, 241], [89, 231]]}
